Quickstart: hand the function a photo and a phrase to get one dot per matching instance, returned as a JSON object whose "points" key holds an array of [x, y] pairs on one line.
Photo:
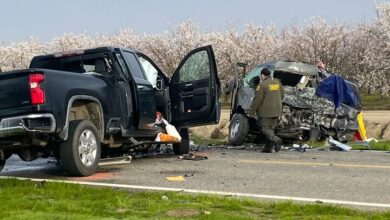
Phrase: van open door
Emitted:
{"points": [[195, 90]]}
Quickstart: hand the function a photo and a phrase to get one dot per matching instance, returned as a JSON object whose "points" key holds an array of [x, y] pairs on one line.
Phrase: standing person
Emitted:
{"points": [[267, 103], [320, 67]]}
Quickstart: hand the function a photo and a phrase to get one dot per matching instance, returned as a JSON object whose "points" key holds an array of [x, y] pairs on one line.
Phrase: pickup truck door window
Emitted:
{"points": [[195, 90], [122, 65], [150, 71], [146, 107], [134, 66]]}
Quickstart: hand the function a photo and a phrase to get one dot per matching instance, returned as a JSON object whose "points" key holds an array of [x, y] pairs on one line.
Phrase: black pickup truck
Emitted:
{"points": [[76, 105]]}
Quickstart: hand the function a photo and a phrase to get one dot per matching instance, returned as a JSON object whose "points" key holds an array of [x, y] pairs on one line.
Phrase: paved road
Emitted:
{"points": [[354, 176]]}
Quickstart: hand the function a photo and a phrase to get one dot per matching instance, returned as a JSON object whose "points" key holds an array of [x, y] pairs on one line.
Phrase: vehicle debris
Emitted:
{"points": [[296, 147], [333, 143], [192, 156], [200, 148], [115, 160]]}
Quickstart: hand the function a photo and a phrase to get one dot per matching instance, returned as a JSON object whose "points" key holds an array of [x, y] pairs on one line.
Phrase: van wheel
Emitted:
{"points": [[2, 163], [80, 153], [3, 157], [315, 134], [238, 129], [184, 146]]}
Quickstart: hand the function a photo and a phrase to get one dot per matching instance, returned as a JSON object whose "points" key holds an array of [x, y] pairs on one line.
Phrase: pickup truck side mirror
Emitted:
{"points": [[159, 83]]}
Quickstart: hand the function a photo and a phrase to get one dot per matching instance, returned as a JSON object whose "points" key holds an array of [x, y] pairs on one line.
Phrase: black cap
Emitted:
{"points": [[265, 72]]}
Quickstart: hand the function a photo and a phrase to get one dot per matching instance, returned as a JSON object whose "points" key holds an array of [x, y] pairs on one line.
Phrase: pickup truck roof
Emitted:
{"points": [[76, 52]]}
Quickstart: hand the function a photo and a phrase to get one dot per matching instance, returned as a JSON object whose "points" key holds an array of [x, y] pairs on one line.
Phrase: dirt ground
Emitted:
{"points": [[377, 125]]}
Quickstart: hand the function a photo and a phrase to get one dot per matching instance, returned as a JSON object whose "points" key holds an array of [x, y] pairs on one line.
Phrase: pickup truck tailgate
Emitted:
{"points": [[14, 90]]}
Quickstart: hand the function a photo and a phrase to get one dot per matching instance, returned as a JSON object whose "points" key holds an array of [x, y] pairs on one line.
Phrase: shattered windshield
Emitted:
{"points": [[254, 72], [296, 67], [291, 79], [294, 74]]}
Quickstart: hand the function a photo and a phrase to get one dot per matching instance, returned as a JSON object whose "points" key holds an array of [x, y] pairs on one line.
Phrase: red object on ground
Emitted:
{"points": [[357, 136], [95, 176]]}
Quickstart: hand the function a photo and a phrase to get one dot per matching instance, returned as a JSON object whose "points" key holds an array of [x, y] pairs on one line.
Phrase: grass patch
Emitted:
{"points": [[32, 200], [316, 144], [380, 145], [375, 102], [206, 141]]}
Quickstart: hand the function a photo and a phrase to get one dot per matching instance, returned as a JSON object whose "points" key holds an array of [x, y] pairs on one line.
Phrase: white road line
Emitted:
{"points": [[221, 193], [314, 164]]}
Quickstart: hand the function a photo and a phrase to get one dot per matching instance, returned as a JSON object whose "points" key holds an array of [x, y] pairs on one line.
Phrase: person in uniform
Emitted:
{"points": [[267, 103]]}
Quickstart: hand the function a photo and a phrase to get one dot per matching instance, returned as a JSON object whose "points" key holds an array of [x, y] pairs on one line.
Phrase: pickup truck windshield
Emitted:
{"points": [[98, 63]]}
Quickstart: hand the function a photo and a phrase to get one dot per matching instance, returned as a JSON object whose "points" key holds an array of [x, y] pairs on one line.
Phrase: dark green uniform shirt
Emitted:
{"points": [[268, 99]]}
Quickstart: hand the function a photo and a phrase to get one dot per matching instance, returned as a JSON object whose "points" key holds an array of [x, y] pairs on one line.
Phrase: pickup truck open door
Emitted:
{"points": [[195, 90]]}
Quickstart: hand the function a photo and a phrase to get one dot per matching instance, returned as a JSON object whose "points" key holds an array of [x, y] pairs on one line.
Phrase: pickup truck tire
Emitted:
{"points": [[184, 146], [238, 129], [80, 153]]}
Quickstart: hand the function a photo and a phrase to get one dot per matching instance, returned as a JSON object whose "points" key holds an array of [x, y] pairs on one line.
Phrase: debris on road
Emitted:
{"points": [[115, 160], [297, 147], [192, 156], [175, 178], [330, 142], [199, 148], [246, 147]]}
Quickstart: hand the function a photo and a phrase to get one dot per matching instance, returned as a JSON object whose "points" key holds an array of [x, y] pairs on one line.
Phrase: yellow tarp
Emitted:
{"points": [[361, 126]]}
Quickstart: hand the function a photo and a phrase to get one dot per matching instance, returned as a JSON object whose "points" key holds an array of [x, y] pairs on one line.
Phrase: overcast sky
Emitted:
{"points": [[45, 19]]}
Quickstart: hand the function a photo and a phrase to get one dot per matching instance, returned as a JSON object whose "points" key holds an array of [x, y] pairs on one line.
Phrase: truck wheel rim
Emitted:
{"points": [[87, 147], [234, 129]]}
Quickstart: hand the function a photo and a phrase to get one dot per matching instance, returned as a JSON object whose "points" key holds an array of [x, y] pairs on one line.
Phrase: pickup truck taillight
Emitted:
{"points": [[37, 96]]}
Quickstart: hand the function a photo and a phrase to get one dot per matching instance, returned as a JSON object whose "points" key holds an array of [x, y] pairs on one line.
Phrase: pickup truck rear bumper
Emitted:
{"points": [[32, 123]]}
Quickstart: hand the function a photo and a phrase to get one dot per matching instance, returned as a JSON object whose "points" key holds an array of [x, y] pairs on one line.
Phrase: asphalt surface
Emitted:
{"points": [[352, 176]]}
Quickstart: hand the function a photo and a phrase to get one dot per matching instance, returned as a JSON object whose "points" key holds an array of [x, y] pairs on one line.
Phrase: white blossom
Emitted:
{"points": [[361, 52]]}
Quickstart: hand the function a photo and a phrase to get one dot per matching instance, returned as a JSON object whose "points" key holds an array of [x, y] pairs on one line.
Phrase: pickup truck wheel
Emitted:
{"points": [[80, 153], [238, 129], [184, 146]]}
